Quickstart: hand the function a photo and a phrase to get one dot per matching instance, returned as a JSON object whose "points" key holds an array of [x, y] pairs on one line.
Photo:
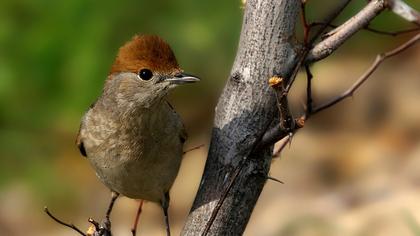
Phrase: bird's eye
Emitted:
{"points": [[145, 74]]}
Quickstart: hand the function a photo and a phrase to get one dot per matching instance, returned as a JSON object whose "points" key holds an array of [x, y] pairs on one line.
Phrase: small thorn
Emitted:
{"points": [[289, 140], [274, 179], [193, 148]]}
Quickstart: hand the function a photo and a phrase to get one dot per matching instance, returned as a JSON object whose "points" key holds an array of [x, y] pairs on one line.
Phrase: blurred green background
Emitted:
{"points": [[55, 55]]}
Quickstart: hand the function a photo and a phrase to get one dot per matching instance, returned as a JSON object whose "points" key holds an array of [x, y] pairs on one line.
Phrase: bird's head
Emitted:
{"points": [[146, 69]]}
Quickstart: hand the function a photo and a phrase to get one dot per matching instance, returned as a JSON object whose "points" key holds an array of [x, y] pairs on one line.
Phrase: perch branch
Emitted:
{"points": [[71, 226]]}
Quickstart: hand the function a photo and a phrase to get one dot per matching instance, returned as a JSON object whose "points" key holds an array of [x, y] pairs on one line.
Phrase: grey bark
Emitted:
{"points": [[246, 109], [339, 35]]}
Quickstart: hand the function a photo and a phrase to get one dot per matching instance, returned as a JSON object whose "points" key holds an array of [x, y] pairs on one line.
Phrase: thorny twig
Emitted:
{"points": [[96, 229], [302, 57], [278, 132], [373, 30], [379, 59], [71, 226]]}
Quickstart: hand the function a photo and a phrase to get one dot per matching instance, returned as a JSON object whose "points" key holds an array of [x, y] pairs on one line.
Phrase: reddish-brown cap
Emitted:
{"points": [[145, 52]]}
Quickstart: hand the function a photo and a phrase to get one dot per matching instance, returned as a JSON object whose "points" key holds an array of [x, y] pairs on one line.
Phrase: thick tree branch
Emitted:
{"points": [[246, 123], [245, 110], [338, 36]]}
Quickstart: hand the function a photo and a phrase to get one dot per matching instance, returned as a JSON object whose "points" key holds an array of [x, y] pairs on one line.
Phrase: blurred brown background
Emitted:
{"points": [[353, 170]]}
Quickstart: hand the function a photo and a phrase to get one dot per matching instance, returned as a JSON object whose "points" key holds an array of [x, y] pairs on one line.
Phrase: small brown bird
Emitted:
{"points": [[131, 135]]}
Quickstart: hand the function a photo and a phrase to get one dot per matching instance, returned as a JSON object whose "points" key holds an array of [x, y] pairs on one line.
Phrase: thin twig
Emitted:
{"points": [[309, 77], [393, 33], [379, 59], [306, 27], [278, 132], [302, 57], [373, 30], [71, 226]]}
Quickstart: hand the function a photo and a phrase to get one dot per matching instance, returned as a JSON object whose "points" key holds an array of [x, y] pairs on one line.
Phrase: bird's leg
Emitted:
{"points": [[114, 196], [136, 221], [165, 206]]}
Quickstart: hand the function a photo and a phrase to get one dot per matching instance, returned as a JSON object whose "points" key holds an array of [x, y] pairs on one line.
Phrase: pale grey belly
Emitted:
{"points": [[147, 176]]}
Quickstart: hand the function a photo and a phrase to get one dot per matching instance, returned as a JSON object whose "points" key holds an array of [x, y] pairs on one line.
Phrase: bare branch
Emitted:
{"points": [[287, 124], [277, 133], [393, 33], [71, 226], [402, 9], [330, 18], [338, 36], [379, 59], [376, 31], [309, 77], [302, 57]]}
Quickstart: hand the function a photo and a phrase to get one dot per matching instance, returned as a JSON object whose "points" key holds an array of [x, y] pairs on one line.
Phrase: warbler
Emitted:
{"points": [[131, 135]]}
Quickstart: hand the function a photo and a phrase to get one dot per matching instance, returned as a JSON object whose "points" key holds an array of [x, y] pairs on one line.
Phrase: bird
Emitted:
{"points": [[131, 135]]}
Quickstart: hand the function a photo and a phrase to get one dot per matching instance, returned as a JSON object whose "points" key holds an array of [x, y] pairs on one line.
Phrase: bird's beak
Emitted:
{"points": [[182, 78]]}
